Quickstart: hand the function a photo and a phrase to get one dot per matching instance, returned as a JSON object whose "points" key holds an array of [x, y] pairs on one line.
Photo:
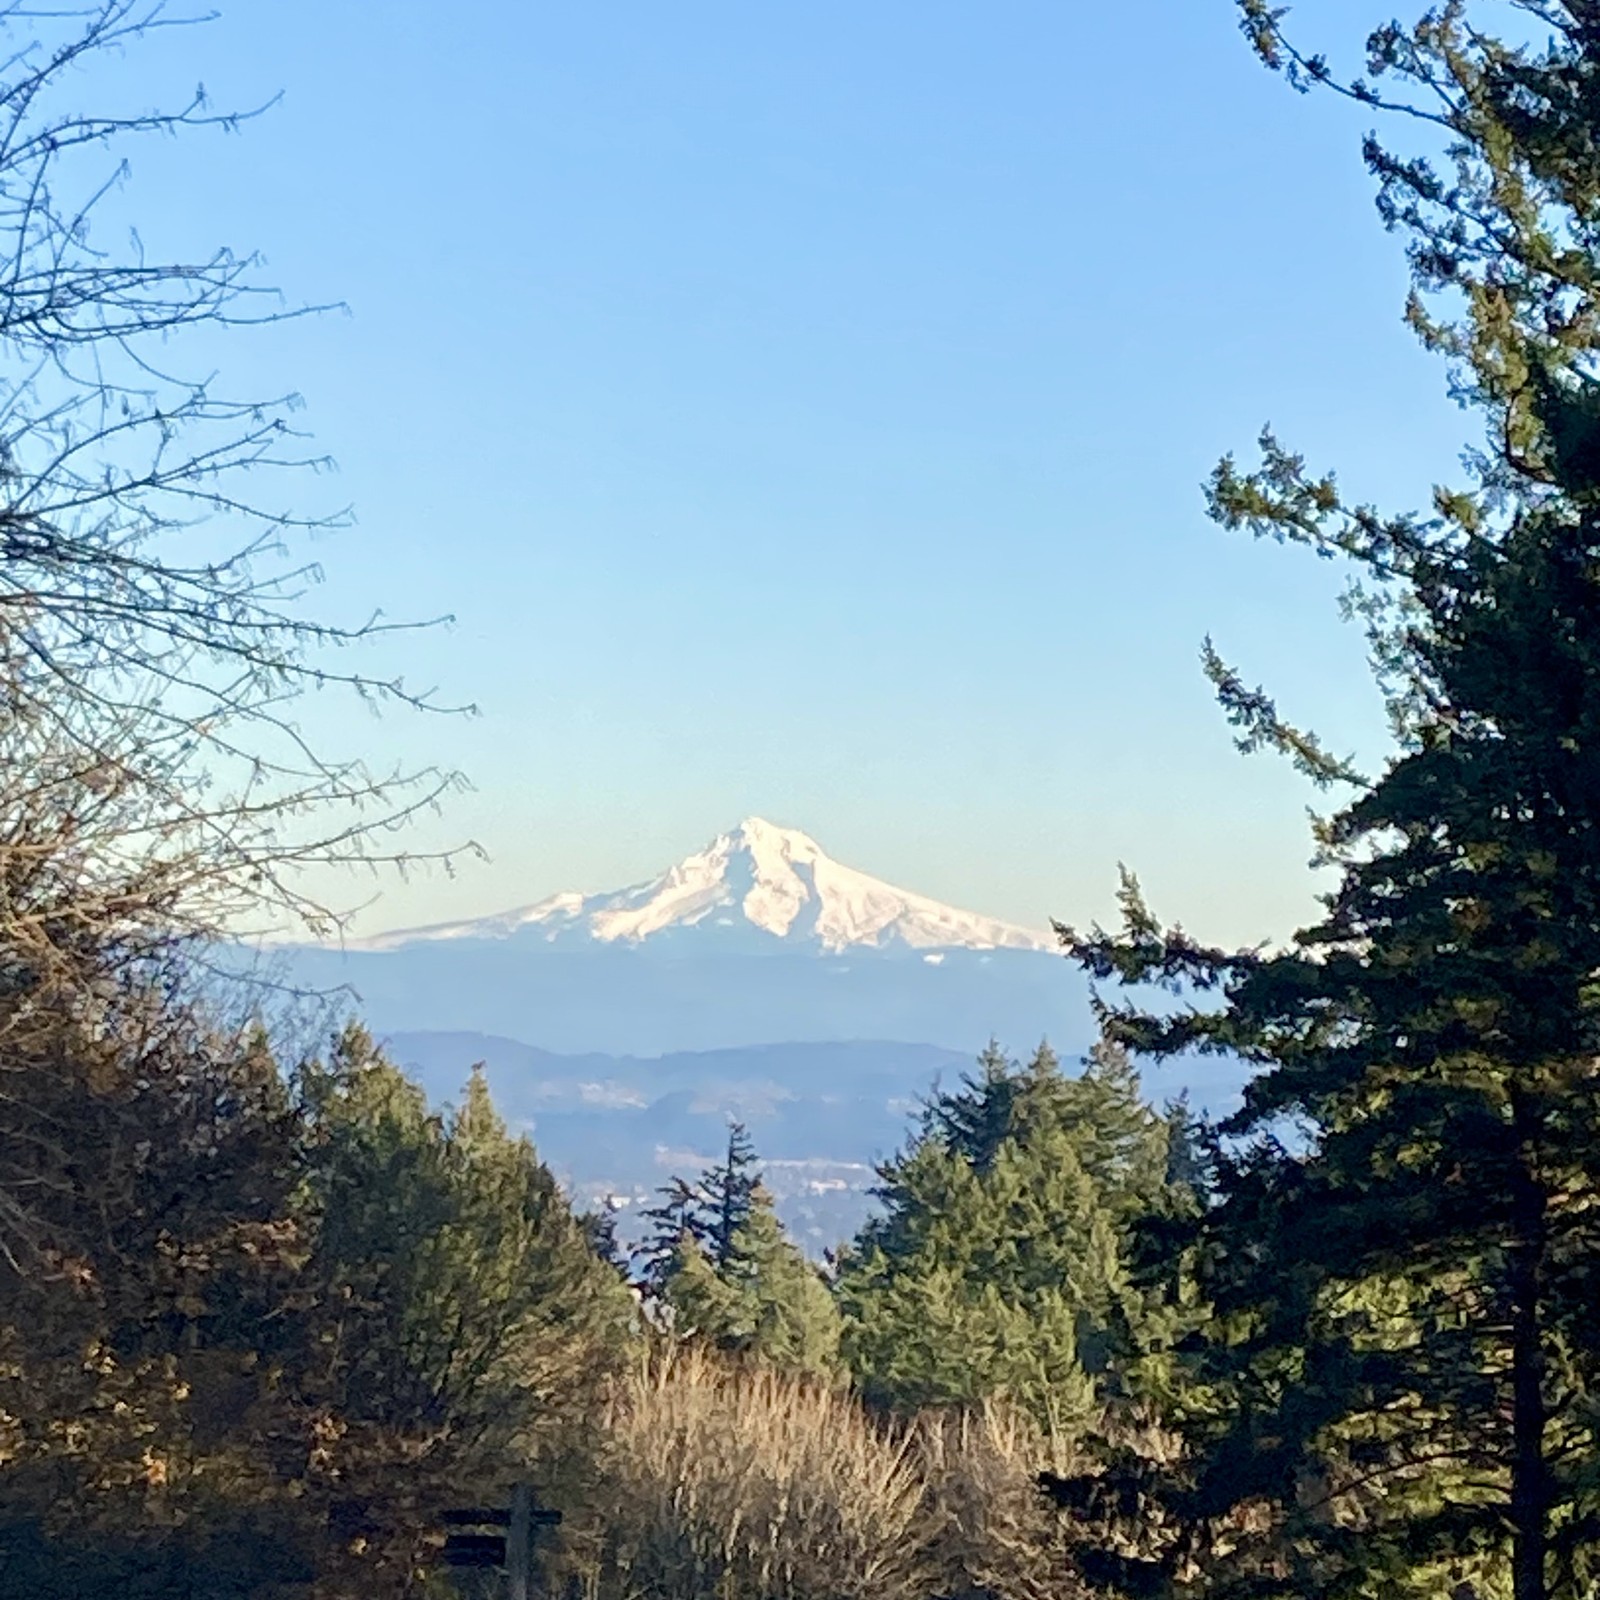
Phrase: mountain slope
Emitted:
{"points": [[760, 884], [759, 937]]}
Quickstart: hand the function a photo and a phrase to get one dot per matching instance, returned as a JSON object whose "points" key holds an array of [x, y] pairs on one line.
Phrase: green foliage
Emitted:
{"points": [[999, 1266], [786, 1313], [729, 1191], [1405, 1365], [465, 1315], [730, 1276], [262, 1340], [677, 1214]]}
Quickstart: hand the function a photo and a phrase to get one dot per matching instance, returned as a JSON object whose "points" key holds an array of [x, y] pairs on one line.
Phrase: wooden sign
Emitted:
{"points": [[512, 1550]]}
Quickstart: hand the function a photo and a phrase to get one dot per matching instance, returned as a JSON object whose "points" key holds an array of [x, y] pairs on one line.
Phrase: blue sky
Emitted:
{"points": [[803, 411]]}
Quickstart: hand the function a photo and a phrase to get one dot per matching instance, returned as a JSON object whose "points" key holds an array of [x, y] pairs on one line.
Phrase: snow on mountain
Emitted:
{"points": [[760, 878]]}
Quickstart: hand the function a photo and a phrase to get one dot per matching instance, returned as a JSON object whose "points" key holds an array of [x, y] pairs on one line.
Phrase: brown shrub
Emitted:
{"points": [[718, 1480], [722, 1481], [998, 1536]]}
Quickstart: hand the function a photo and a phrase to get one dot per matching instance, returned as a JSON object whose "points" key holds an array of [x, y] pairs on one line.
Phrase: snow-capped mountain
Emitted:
{"points": [[760, 938], [775, 884], [757, 978]]}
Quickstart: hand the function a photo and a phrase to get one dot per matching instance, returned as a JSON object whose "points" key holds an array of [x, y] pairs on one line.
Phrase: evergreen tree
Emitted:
{"points": [[750, 1291], [729, 1192], [678, 1215], [600, 1230], [460, 1326], [1186, 1166], [973, 1121], [1406, 1362], [786, 1314], [997, 1266], [701, 1304]]}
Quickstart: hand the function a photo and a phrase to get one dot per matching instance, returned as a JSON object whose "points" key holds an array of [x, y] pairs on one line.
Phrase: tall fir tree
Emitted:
{"points": [[729, 1189], [677, 1216], [1406, 1361], [997, 1265], [721, 1269], [461, 1328], [600, 1230], [787, 1307]]}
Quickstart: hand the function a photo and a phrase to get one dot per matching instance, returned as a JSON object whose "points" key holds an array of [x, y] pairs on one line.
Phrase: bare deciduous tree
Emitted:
{"points": [[156, 790], [154, 637]]}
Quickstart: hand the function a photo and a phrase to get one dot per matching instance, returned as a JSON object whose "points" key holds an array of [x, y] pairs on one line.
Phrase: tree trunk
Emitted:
{"points": [[1529, 1478]]}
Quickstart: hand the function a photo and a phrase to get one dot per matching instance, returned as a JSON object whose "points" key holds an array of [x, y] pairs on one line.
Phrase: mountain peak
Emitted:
{"points": [[768, 840], [758, 881], [771, 843], [759, 828]]}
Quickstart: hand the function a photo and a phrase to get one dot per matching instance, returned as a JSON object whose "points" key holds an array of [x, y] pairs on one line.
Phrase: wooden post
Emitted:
{"points": [[519, 1542]]}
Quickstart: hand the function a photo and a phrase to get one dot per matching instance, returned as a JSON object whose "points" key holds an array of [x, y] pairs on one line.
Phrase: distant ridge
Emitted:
{"points": [[774, 886]]}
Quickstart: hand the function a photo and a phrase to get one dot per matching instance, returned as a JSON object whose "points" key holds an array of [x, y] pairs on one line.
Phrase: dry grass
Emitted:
{"points": [[726, 1482], [720, 1481], [998, 1536]]}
